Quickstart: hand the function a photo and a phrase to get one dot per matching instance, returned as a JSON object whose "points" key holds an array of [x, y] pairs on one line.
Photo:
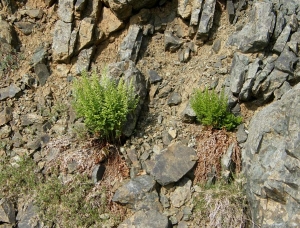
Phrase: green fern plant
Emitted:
{"points": [[211, 109], [104, 104]]}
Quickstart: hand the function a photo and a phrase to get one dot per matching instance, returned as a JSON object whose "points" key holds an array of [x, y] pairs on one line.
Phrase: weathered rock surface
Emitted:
{"points": [[9, 92], [148, 219], [272, 184], [83, 61], [109, 22], [256, 34], [182, 193], [138, 193], [196, 10], [85, 33], [131, 44], [206, 20], [7, 211], [65, 10], [25, 27], [6, 31], [184, 8], [238, 72], [172, 164], [172, 42], [42, 72], [61, 38]]}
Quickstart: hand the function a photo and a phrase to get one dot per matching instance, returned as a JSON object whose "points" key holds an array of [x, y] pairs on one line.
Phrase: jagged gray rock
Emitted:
{"points": [[246, 91], [282, 39], [188, 115], [286, 61], [196, 9], [6, 32], [206, 20], [182, 192], [172, 42], [172, 164], [146, 219], [271, 163], [230, 10], [9, 92], [238, 71], [280, 24], [83, 61], [154, 77], [6, 115], [25, 27], [174, 99], [7, 211], [138, 193], [65, 10], [256, 34], [27, 216], [130, 46], [61, 38], [42, 72]]}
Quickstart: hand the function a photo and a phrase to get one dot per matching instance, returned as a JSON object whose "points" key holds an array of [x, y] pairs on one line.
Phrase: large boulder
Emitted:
{"points": [[271, 161]]}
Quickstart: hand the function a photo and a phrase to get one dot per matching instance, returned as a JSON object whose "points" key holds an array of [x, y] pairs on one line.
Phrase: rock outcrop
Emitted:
{"points": [[271, 163]]}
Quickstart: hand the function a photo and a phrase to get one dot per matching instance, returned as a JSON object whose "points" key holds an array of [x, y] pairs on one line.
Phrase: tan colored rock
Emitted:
{"points": [[109, 22], [85, 35], [184, 8]]}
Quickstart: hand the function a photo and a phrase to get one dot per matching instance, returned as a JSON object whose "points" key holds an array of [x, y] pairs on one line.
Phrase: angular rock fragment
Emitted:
{"points": [[6, 115], [172, 164], [246, 91], [7, 211], [196, 10], [9, 92], [172, 42], [154, 77], [42, 72], [83, 61], [256, 34], [61, 38], [182, 193], [136, 190], [237, 72], [184, 8], [65, 10], [286, 61], [146, 219], [174, 99], [230, 10], [282, 39], [188, 115], [130, 46], [6, 32], [206, 20], [85, 33], [25, 27]]}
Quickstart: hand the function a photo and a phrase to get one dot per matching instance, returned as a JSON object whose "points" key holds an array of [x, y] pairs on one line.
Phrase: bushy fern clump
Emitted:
{"points": [[104, 104], [211, 109]]}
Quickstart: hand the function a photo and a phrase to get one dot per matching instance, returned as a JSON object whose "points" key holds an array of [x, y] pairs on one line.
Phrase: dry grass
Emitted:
{"points": [[221, 205], [211, 146]]}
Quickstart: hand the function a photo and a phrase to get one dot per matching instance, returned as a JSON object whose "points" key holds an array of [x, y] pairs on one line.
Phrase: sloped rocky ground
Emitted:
{"points": [[249, 48]]}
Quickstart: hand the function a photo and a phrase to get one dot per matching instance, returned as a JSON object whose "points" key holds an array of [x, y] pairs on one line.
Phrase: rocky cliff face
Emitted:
{"points": [[168, 48]]}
